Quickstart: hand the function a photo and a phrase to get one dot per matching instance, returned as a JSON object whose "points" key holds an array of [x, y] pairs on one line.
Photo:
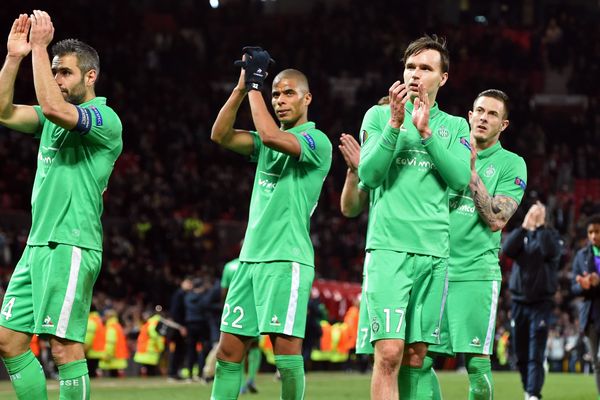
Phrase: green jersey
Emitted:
{"points": [[229, 271], [285, 194], [72, 173], [410, 179], [473, 246]]}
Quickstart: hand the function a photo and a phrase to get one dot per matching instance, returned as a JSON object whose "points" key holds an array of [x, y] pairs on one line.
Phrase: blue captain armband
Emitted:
{"points": [[84, 122]]}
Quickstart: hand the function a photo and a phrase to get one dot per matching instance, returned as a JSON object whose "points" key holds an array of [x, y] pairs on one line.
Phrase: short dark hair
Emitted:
{"points": [[87, 56], [427, 42], [593, 220], [498, 95]]}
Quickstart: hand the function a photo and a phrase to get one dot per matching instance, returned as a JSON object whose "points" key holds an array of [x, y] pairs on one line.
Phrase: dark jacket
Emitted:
{"points": [[590, 308], [534, 276]]}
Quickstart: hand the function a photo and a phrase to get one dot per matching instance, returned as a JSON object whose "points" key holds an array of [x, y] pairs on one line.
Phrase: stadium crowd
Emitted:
{"points": [[177, 203]]}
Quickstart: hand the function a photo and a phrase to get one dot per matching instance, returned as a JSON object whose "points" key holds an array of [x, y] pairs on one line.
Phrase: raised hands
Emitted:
{"points": [[398, 94], [420, 115], [18, 45], [255, 61], [42, 30], [350, 150]]}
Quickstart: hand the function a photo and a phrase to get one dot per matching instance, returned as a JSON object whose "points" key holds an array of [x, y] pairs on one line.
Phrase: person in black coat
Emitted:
{"points": [[176, 337], [536, 250], [586, 283]]}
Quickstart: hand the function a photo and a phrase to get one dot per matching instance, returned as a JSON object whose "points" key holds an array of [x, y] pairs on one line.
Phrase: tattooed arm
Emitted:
{"points": [[495, 210]]}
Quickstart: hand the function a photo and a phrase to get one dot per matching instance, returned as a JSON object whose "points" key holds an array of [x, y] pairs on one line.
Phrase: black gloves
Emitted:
{"points": [[256, 63]]}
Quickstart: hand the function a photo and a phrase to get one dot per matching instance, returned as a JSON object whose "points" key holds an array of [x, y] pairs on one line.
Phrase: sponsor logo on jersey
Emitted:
{"points": [[465, 143], [363, 136], [414, 162], [47, 322], [443, 132], [475, 342], [520, 182], [309, 139], [490, 171], [267, 181], [275, 321], [99, 120]]}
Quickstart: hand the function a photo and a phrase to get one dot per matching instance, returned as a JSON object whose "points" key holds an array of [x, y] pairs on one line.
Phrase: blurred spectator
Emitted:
{"points": [[176, 337], [150, 345], [586, 283], [536, 249]]}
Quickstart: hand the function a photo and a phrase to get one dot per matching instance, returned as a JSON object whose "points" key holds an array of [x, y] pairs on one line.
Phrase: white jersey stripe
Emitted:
{"points": [[492, 322], [84, 388], [293, 303], [67, 306]]}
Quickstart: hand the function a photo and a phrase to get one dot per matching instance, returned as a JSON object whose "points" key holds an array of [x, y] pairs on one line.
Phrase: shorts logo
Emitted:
{"points": [[443, 132], [520, 182], [275, 321], [436, 333], [490, 171], [465, 143], [475, 342], [47, 322], [375, 326], [309, 140]]}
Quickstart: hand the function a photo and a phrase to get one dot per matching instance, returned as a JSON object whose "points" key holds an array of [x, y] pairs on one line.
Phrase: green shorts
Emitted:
{"points": [[471, 311], [269, 297], [50, 291], [404, 295]]}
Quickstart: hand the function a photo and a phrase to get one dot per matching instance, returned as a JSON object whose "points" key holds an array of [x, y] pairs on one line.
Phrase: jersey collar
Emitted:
{"points": [[94, 101], [489, 151], [304, 127], [432, 112]]}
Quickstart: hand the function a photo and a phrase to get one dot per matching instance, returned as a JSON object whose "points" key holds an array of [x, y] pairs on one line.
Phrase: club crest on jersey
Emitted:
{"points": [[309, 139], [443, 132], [465, 143], [375, 326], [520, 182], [363, 136], [490, 171]]}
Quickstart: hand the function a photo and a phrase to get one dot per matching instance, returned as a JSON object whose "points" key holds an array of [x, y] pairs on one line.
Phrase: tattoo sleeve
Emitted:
{"points": [[496, 210]]}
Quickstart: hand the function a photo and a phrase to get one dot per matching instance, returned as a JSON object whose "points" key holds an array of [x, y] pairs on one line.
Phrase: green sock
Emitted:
{"points": [[228, 379], [408, 382], [254, 356], [435, 383], [480, 378], [74, 381], [27, 376], [291, 369]]}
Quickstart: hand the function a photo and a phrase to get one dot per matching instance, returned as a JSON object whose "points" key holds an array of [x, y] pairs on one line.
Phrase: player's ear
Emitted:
{"points": [[505, 124], [444, 79], [307, 98], [90, 77]]}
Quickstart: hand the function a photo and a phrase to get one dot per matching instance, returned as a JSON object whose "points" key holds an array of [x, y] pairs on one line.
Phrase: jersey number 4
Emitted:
{"points": [[7, 310]]}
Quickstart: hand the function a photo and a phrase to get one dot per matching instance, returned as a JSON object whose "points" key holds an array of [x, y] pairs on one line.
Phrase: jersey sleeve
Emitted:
{"points": [[315, 148], [377, 148], [513, 181], [452, 162], [42, 117], [257, 146], [98, 124]]}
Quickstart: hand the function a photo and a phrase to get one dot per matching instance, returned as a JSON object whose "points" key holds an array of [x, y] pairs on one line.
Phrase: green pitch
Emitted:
{"points": [[324, 385]]}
